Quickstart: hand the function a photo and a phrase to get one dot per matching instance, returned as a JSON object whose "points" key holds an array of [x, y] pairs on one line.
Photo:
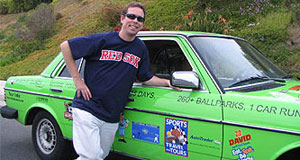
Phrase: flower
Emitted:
{"points": [[177, 27], [223, 20], [107, 9], [189, 15], [225, 31], [145, 29], [117, 28], [207, 10], [191, 23]]}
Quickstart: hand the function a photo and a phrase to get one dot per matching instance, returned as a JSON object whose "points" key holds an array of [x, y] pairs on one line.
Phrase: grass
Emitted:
{"points": [[270, 35], [77, 19], [81, 17]]}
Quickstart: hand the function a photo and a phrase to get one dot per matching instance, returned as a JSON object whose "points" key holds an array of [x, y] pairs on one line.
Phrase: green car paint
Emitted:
{"points": [[240, 108]]}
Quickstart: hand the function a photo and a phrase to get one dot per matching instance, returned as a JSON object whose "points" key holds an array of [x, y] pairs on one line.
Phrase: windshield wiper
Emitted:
{"points": [[274, 79], [287, 76], [256, 78], [290, 77], [244, 80]]}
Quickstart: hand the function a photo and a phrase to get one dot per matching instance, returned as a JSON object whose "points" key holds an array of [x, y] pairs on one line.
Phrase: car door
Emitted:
{"points": [[164, 123], [62, 91], [258, 126]]}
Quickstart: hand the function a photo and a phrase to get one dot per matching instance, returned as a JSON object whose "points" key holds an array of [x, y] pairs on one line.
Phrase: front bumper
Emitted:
{"points": [[7, 112]]}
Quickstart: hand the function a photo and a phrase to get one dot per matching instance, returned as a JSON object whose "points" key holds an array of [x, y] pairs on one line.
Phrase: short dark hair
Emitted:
{"points": [[134, 4]]}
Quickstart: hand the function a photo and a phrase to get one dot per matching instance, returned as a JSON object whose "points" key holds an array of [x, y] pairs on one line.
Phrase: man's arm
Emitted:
{"points": [[70, 62], [156, 81]]}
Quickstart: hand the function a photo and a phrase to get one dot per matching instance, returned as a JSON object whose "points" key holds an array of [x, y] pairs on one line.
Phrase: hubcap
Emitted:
{"points": [[46, 136]]}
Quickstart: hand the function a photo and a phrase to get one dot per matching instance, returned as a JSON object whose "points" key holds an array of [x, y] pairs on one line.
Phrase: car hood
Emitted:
{"points": [[290, 91], [287, 91]]}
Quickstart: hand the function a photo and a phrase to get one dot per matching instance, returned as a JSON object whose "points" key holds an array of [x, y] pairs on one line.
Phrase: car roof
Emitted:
{"points": [[183, 33]]}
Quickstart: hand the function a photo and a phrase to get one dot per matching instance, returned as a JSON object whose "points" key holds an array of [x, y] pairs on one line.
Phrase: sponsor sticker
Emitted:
{"points": [[68, 112], [295, 88], [241, 146], [176, 137], [145, 132]]}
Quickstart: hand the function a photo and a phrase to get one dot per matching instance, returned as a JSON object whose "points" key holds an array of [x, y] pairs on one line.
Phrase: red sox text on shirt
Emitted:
{"points": [[110, 55]]}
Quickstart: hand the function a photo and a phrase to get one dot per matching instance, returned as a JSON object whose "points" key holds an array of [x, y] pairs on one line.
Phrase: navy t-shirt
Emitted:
{"points": [[112, 65]]}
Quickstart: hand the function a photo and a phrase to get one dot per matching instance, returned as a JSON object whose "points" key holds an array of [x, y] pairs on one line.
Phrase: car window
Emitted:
{"points": [[166, 57], [79, 63]]}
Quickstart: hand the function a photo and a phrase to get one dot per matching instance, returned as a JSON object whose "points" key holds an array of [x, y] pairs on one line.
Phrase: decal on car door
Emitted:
{"points": [[145, 132], [176, 137], [241, 146], [68, 112], [122, 125], [295, 88]]}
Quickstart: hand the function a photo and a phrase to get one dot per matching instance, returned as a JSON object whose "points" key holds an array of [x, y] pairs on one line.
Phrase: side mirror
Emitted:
{"points": [[185, 79]]}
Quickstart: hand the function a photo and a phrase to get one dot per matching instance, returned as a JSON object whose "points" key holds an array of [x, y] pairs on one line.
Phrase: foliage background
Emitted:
{"points": [[30, 33], [17, 6]]}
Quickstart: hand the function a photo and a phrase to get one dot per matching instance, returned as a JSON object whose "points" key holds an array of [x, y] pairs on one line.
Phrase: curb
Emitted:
{"points": [[2, 83]]}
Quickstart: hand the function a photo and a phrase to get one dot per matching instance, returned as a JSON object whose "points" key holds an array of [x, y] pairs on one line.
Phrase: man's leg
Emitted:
{"points": [[107, 134], [86, 137]]}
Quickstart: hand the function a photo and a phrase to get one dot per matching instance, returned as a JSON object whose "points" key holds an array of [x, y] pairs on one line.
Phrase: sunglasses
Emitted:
{"points": [[133, 16]]}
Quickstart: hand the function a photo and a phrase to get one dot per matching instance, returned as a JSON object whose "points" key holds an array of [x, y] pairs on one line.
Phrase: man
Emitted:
{"points": [[113, 61]]}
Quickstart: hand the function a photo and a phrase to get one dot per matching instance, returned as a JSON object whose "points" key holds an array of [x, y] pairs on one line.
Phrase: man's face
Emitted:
{"points": [[132, 26]]}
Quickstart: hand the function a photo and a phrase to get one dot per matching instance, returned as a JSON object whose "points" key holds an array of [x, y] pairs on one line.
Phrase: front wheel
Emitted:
{"points": [[48, 140]]}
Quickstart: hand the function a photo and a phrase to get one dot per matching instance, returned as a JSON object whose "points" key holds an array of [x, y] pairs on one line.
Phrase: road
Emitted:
{"points": [[15, 139]]}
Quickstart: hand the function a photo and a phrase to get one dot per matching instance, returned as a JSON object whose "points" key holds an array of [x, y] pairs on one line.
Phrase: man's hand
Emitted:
{"points": [[82, 89], [156, 81], [176, 88]]}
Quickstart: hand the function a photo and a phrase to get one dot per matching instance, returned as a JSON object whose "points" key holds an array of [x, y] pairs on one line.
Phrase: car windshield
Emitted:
{"points": [[234, 62]]}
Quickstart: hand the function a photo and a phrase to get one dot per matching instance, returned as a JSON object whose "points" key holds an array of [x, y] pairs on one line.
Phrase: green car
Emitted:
{"points": [[234, 104]]}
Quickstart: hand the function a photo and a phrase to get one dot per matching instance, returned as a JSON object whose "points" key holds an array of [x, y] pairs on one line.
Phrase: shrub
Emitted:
{"points": [[297, 16], [111, 14], [36, 24], [257, 7], [270, 29], [41, 22], [270, 36], [17, 6], [205, 21], [4, 6], [292, 65], [164, 14], [240, 13], [30, 31], [2, 35], [294, 5], [58, 16], [109, 18], [19, 51]]}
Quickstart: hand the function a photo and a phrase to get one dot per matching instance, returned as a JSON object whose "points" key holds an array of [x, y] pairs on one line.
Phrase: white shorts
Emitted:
{"points": [[92, 137]]}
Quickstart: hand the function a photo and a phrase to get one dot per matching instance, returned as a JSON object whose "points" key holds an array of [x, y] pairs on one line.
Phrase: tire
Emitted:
{"points": [[48, 140]]}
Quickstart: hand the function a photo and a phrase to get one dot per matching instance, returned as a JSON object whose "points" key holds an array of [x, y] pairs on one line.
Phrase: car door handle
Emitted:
{"points": [[131, 99], [56, 90]]}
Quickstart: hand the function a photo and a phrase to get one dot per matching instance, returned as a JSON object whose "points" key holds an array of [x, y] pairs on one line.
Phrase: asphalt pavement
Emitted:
{"points": [[15, 138]]}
